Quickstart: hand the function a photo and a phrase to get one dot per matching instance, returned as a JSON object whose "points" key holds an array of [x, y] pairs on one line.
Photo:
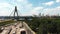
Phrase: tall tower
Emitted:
{"points": [[16, 13]]}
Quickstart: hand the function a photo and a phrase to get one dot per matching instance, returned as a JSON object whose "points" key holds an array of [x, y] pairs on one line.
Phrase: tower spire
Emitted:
{"points": [[16, 13], [15, 8]]}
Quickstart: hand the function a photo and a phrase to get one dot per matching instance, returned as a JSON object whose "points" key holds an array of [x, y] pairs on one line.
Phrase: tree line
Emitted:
{"points": [[44, 25]]}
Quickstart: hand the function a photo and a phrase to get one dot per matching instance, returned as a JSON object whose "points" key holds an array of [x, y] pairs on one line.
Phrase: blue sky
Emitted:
{"points": [[30, 7]]}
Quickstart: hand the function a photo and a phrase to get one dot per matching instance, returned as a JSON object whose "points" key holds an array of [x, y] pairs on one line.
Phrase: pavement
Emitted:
{"points": [[18, 28]]}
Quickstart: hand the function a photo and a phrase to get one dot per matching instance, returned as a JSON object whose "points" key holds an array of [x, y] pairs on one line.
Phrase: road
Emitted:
{"points": [[17, 28]]}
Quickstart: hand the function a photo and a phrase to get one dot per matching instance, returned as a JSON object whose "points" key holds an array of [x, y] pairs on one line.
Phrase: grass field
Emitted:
{"points": [[7, 22]]}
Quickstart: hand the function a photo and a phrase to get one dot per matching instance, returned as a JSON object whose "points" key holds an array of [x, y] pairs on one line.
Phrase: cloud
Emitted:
{"points": [[21, 0], [36, 10], [33, 11], [5, 9], [52, 11], [57, 0], [4, 5], [26, 8], [49, 3]]}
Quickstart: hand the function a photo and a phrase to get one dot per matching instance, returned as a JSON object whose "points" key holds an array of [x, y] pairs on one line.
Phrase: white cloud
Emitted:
{"points": [[36, 10], [4, 12], [4, 5], [20, 0], [24, 7], [52, 11], [28, 7], [5, 9], [33, 11], [49, 3], [57, 0]]}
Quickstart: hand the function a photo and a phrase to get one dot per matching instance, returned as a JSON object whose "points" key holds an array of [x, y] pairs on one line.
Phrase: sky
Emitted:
{"points": [[30, 7]]}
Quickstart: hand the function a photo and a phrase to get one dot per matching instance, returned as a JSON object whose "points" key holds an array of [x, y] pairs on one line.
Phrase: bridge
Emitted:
{"points": [[16, 16], [20, 17], [20, 27]]}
